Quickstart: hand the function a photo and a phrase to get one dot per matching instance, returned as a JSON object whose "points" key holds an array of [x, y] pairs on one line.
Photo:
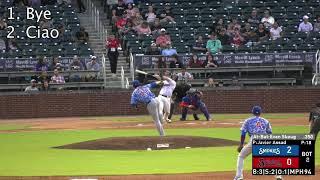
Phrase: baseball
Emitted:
{"points": [[149, 149]]}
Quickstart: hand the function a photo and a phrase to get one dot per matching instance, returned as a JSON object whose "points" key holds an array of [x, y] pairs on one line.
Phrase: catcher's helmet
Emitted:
{"points": [[256, 110]]}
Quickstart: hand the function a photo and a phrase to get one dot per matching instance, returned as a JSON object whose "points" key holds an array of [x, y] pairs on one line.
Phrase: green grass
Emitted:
{"points": [[8, 127], [31, 154], [220, 117]]}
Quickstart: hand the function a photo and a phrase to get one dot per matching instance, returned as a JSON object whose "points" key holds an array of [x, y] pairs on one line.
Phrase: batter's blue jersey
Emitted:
{"points": [[142, 94], [256, 125]]}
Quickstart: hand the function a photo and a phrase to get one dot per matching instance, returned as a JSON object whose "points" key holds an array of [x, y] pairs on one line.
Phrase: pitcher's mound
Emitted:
{"points": [[150, 142]]}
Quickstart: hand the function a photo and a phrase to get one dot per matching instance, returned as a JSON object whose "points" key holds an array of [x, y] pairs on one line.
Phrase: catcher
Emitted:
{"points": [[192, 101]]}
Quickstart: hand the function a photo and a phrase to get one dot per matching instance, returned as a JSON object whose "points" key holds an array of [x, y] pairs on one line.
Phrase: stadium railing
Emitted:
{"points": [[69, 85]]}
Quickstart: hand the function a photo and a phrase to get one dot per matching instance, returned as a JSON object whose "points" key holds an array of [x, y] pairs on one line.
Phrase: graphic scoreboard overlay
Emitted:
{"points": [[283, 154]]}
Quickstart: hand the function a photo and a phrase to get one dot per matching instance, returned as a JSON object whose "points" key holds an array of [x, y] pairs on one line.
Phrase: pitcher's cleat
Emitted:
{"points": [[168, 120]]}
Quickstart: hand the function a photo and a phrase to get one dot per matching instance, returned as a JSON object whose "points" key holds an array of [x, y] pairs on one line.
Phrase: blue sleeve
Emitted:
{"points": [[151, 85], [244, 128], [134, 101]]}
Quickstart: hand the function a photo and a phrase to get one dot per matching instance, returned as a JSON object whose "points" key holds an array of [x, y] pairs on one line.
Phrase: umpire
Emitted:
{"points": [[178, 93], [314, 120]]}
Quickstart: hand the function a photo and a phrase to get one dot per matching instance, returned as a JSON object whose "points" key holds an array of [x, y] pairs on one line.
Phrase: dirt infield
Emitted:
{"points": [[154, 143], [97, 123]]}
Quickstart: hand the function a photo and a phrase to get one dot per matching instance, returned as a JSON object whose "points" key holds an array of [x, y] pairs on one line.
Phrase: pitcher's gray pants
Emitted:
{"points": [[154, 110]]}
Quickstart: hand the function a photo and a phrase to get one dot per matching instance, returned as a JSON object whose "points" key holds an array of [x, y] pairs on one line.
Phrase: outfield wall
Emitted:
{"points": [[116, 102]]}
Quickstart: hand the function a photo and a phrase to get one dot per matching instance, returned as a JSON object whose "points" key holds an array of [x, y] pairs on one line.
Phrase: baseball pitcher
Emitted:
{"points": [[142, 94], [192, 101], [252, 126], [314, 120], [165, 95]]}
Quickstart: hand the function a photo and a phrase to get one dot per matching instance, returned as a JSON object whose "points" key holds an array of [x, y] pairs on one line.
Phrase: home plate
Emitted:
{"points": [[140, 125]]}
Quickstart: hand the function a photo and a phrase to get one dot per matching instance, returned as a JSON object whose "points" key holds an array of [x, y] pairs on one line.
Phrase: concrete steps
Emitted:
{"points": [[98, 45]]}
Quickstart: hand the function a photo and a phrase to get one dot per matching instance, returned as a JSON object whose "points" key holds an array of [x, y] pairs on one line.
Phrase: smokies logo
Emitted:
{"points": [[267, 163]]}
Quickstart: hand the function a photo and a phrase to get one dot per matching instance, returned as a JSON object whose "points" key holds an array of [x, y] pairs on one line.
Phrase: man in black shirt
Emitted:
{"points": [[178, 93], [314, 120]]}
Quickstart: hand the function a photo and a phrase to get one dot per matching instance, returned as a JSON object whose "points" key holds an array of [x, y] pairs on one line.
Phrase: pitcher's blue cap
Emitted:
{"points": [[136, 83]]}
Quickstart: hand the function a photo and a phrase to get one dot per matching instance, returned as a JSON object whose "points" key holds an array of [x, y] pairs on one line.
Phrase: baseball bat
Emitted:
{"points": [[145, 73], [141, 72]]}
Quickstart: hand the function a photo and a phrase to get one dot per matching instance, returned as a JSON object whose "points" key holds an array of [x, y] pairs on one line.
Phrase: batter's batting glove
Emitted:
{"points": [[239, 148]]}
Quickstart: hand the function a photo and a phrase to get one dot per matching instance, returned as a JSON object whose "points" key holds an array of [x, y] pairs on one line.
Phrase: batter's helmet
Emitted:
{"points": [[256, 110], [136, 83]]}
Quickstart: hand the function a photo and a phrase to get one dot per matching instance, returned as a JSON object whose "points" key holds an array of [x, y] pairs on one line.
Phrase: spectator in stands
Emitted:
{"points": [[112, 47], [262, 33], [237, 39], [128, 2], [63, 36], [194, 62], [57, 78], [3, 24], [213, 45], [235, 23], [317, 24], [275, 31], [63, 2], [56, 64], [143, 29], [217, 26], [43, 77], [175, 62], [153, 49], [33, 87], [210, 83], [199, 46], [163, 39], [41, 65], [121, 23], [223, 37], [117, 11], [168, 50], [76, 64], [184, 75], [128, 28], [45, 86], [34, 3], [138, 19], [93, 65], [267, 19], [130, 11], [156, 28], [2, 44], [11, 44], [305, 26], [82, 36], [166, 15], [45, 24], [81, 6], [248, 34], [210, 62], [254, 19], [150, 15]]}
